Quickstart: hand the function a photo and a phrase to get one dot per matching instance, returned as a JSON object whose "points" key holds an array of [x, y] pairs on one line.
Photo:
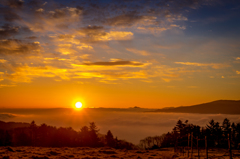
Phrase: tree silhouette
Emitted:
{"points": [[84, 136], [217, 135], [226, 125], [33, 133], [93, 134], [214, 132], [109, 139], [49, 136]]}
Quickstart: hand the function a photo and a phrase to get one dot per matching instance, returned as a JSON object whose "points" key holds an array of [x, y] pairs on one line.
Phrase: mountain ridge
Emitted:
{"points": [[214, 107]]}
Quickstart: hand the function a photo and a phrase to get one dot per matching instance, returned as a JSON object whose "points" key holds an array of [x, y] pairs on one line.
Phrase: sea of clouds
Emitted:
{"points": [[126, 124]]}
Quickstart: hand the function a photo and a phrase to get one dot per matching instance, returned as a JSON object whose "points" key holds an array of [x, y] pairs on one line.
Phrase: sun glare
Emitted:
{"points": [[78, 105]]}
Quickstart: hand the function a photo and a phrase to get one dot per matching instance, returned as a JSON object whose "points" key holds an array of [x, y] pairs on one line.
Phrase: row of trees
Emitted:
{"points": [[216, 133], [151, 142], [49, 136]]}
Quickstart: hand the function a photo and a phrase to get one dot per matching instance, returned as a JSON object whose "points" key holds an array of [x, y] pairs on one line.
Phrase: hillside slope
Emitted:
{"points": [[215, 107]]}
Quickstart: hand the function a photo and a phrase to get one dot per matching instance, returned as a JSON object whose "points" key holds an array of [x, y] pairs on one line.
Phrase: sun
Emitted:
{"points": [[78, 105]]}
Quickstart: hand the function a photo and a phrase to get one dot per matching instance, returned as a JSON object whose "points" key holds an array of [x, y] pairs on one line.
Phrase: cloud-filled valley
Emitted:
{"points": [[124, 123]]}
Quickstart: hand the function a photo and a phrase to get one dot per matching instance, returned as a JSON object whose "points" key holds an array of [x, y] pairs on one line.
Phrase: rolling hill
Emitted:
{"points": [[215, 107]]}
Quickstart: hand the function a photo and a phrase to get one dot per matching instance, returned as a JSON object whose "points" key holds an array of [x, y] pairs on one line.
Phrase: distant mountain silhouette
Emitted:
{"points": [[215, 107]]}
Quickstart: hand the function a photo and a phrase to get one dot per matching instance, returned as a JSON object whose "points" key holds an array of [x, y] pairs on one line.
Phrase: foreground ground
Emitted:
{"points": [[99, 153]]}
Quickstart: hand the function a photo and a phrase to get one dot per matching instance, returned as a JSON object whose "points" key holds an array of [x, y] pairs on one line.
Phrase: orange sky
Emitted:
{"points": [[53, 54], [127, 94]]}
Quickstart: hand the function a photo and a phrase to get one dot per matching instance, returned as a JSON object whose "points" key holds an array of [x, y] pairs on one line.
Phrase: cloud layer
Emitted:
{"points": [[129, 125]]}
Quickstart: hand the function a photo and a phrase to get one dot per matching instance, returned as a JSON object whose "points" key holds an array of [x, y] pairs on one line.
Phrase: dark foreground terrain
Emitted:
{"points": [[102, 153], [79, 152]]}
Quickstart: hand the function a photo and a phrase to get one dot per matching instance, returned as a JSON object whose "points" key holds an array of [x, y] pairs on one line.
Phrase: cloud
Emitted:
{"points": [[63, 13], [4, 116], [65, 36], [93, 31], [85, 56], [7, 31], [70, 39], [13, 3], [237, 58], [106, 71], [26, 73], [9, 15], [66, 69], [2, 61], [40, 15], [84, 46], [52, 20], [116, 63], [125, 19], [213, 65], [152, 29], [166, 79], [57, 39], [14, 46], [31, 37], [98, 33], [117, 35], [238, 72], [6, 85], [139, 52], [129, 13], [160, 28]]}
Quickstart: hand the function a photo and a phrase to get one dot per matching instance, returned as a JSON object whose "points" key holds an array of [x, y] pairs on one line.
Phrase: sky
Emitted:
{"points": [[118, 53]]}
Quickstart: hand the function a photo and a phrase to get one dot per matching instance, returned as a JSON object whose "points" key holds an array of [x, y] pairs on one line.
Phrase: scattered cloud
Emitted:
{"points": [[27, 73], [166, 79], [84, 46], [52, 20], [119, 35], [15, 46], [9, 15], [7, 31], [85, 56], [130, 19], [64, 42], [13, 3], [96, 34], [139, 52], [6, 85], [213, 65], [4, 116], [2, 61], [116, 63]]}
